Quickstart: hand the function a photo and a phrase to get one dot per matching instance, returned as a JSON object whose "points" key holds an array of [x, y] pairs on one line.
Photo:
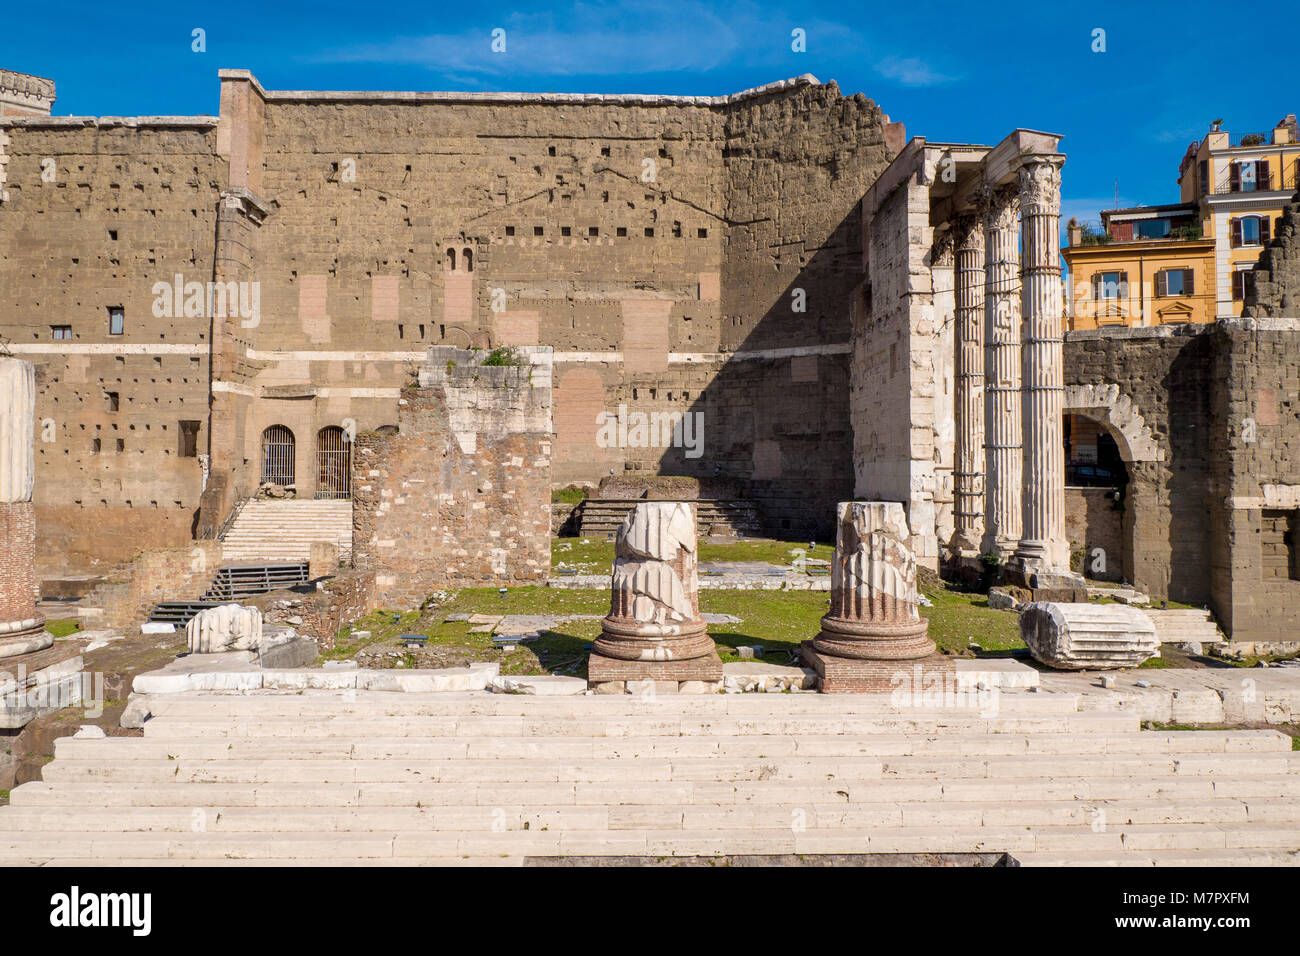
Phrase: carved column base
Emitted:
{"points": [[874, 640], [627, 641]]}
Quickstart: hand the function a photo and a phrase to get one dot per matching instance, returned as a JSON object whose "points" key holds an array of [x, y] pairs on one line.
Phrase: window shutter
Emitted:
{"points": [[1236, 231], [1162, 283], [1237, 285], [1205, 176], [1261, 174], [1234, 172], [1264, 223], [1189, 282], [1123, 287]]}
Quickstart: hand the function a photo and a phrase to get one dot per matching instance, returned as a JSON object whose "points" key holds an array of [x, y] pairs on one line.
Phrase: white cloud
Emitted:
{"points": [[911, 71]]}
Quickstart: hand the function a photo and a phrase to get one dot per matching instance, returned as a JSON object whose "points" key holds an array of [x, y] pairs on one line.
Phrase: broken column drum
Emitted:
{"points": [[1088, 636], [21, 623], [654, 610], [874, 609]]}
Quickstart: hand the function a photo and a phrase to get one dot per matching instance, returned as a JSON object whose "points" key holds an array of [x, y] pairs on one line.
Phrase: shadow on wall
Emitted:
{"points": [[775, 419]]}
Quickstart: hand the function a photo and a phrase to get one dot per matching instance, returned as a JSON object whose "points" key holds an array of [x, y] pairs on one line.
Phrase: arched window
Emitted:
{"points": [[468, 258], [277, 455], [333, 463], [451, 259]]}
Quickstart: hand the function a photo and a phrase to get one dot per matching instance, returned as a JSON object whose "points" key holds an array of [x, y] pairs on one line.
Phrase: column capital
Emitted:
{"points": [[1001, 207], [1040, 185], [941, 253], [968, 232]]}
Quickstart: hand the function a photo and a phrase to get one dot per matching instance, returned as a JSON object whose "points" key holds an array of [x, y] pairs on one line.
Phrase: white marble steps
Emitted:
{"points": [[341, 778], [285, 530], [104, 846], [1180, 625]]}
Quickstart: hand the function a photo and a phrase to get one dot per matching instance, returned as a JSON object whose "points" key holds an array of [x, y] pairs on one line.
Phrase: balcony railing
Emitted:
{"points": [[1280, 180], [1094, 234]]}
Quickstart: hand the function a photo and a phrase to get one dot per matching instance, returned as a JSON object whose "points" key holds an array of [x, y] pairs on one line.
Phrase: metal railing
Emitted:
{"points": [[1277, 180]]}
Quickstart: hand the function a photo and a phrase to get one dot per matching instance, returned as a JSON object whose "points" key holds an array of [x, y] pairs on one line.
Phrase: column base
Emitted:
{"points": [[1046, 584], [874, 641], [627, 641], [843, 675], [606, 670]]}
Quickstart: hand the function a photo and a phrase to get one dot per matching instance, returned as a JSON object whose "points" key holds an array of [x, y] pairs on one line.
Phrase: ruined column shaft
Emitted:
{"points": [[1002, 374], [968, 504], [1043, 543], [874, 605], [20, 620]]}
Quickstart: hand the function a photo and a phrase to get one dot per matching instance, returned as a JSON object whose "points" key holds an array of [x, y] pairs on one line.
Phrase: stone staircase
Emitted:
{"points": [[600, 517], [321, 778], [1180, 625], [267, 530]]}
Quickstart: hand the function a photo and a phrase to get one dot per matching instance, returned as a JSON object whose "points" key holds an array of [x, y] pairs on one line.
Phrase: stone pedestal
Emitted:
{"points": [[873, 616], [1088, 636], [654, 630]]}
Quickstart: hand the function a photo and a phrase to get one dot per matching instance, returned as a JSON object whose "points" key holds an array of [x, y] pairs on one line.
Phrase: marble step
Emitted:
{"points": [[26, 846], [811, 745]]}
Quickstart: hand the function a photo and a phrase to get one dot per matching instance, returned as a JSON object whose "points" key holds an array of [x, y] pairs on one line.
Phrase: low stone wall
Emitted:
{"points": [[162, 574]]}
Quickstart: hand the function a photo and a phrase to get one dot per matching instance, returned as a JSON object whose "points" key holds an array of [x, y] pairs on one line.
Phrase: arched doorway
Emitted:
{"points": [[278, 450], [333, 463], [1096, 482]]}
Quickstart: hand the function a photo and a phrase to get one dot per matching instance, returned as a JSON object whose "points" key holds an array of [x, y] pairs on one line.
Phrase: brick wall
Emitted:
{"points": [[460, 495], [1091, 522], [19, 589]]}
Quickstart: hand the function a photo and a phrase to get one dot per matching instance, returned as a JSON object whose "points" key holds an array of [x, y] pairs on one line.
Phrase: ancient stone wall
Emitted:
{"points": [[155, 575], [682, 255], [98, 211], [460, 495], [1150, 388], [1254, 436], [1277, 274]]}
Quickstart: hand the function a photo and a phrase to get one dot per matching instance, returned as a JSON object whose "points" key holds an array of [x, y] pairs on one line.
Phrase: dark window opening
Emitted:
{"points": [[188, 440]]}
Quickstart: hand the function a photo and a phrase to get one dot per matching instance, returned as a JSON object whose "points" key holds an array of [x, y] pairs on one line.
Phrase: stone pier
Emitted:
{"points": [[874, 623], [654, 630], [36, 675], [21, 623]]}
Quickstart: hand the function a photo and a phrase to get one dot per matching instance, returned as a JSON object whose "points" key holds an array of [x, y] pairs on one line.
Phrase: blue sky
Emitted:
{"points": [[950, 71]]}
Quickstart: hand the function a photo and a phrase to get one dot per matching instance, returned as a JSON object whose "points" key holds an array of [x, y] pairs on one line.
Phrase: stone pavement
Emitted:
{"points": [[363, 777]]}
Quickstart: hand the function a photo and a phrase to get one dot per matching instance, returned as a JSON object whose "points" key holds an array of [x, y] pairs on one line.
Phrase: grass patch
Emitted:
{"points": [[63, 627], [1155, 664], [596, 556], [568, 496]]}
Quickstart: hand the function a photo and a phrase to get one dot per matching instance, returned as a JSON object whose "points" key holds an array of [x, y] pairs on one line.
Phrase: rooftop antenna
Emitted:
{"points": [[1116, 194]]}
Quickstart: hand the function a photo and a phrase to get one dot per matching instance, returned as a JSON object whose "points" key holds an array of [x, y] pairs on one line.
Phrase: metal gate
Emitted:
{"points": [[333, 463], [277, 455]]}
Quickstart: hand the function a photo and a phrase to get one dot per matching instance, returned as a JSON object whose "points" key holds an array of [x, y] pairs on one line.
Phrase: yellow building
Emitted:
{"points": [[1189, 262]]}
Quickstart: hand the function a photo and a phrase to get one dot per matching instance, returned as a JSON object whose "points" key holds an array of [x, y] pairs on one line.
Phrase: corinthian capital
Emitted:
{"points": [[1040, 186], [1001, 207], [968, 233]]}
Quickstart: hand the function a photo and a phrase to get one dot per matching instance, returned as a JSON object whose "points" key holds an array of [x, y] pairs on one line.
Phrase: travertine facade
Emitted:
{"points": [[679, 255]]}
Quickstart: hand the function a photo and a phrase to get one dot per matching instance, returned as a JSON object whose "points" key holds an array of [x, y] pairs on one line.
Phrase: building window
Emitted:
{"points": [[1174, 282], [1152, 228], [61, 331], [510, 230], [1204, 176], [1243, 284], [111, 401], [116, 320], [1249, 176], [1250, 231], [188, 440]]}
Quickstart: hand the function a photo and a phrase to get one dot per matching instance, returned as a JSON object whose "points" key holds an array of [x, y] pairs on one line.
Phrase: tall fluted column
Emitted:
{"points": [[21, 624], [968, 464], [1043, 544], [1002, 415]]}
